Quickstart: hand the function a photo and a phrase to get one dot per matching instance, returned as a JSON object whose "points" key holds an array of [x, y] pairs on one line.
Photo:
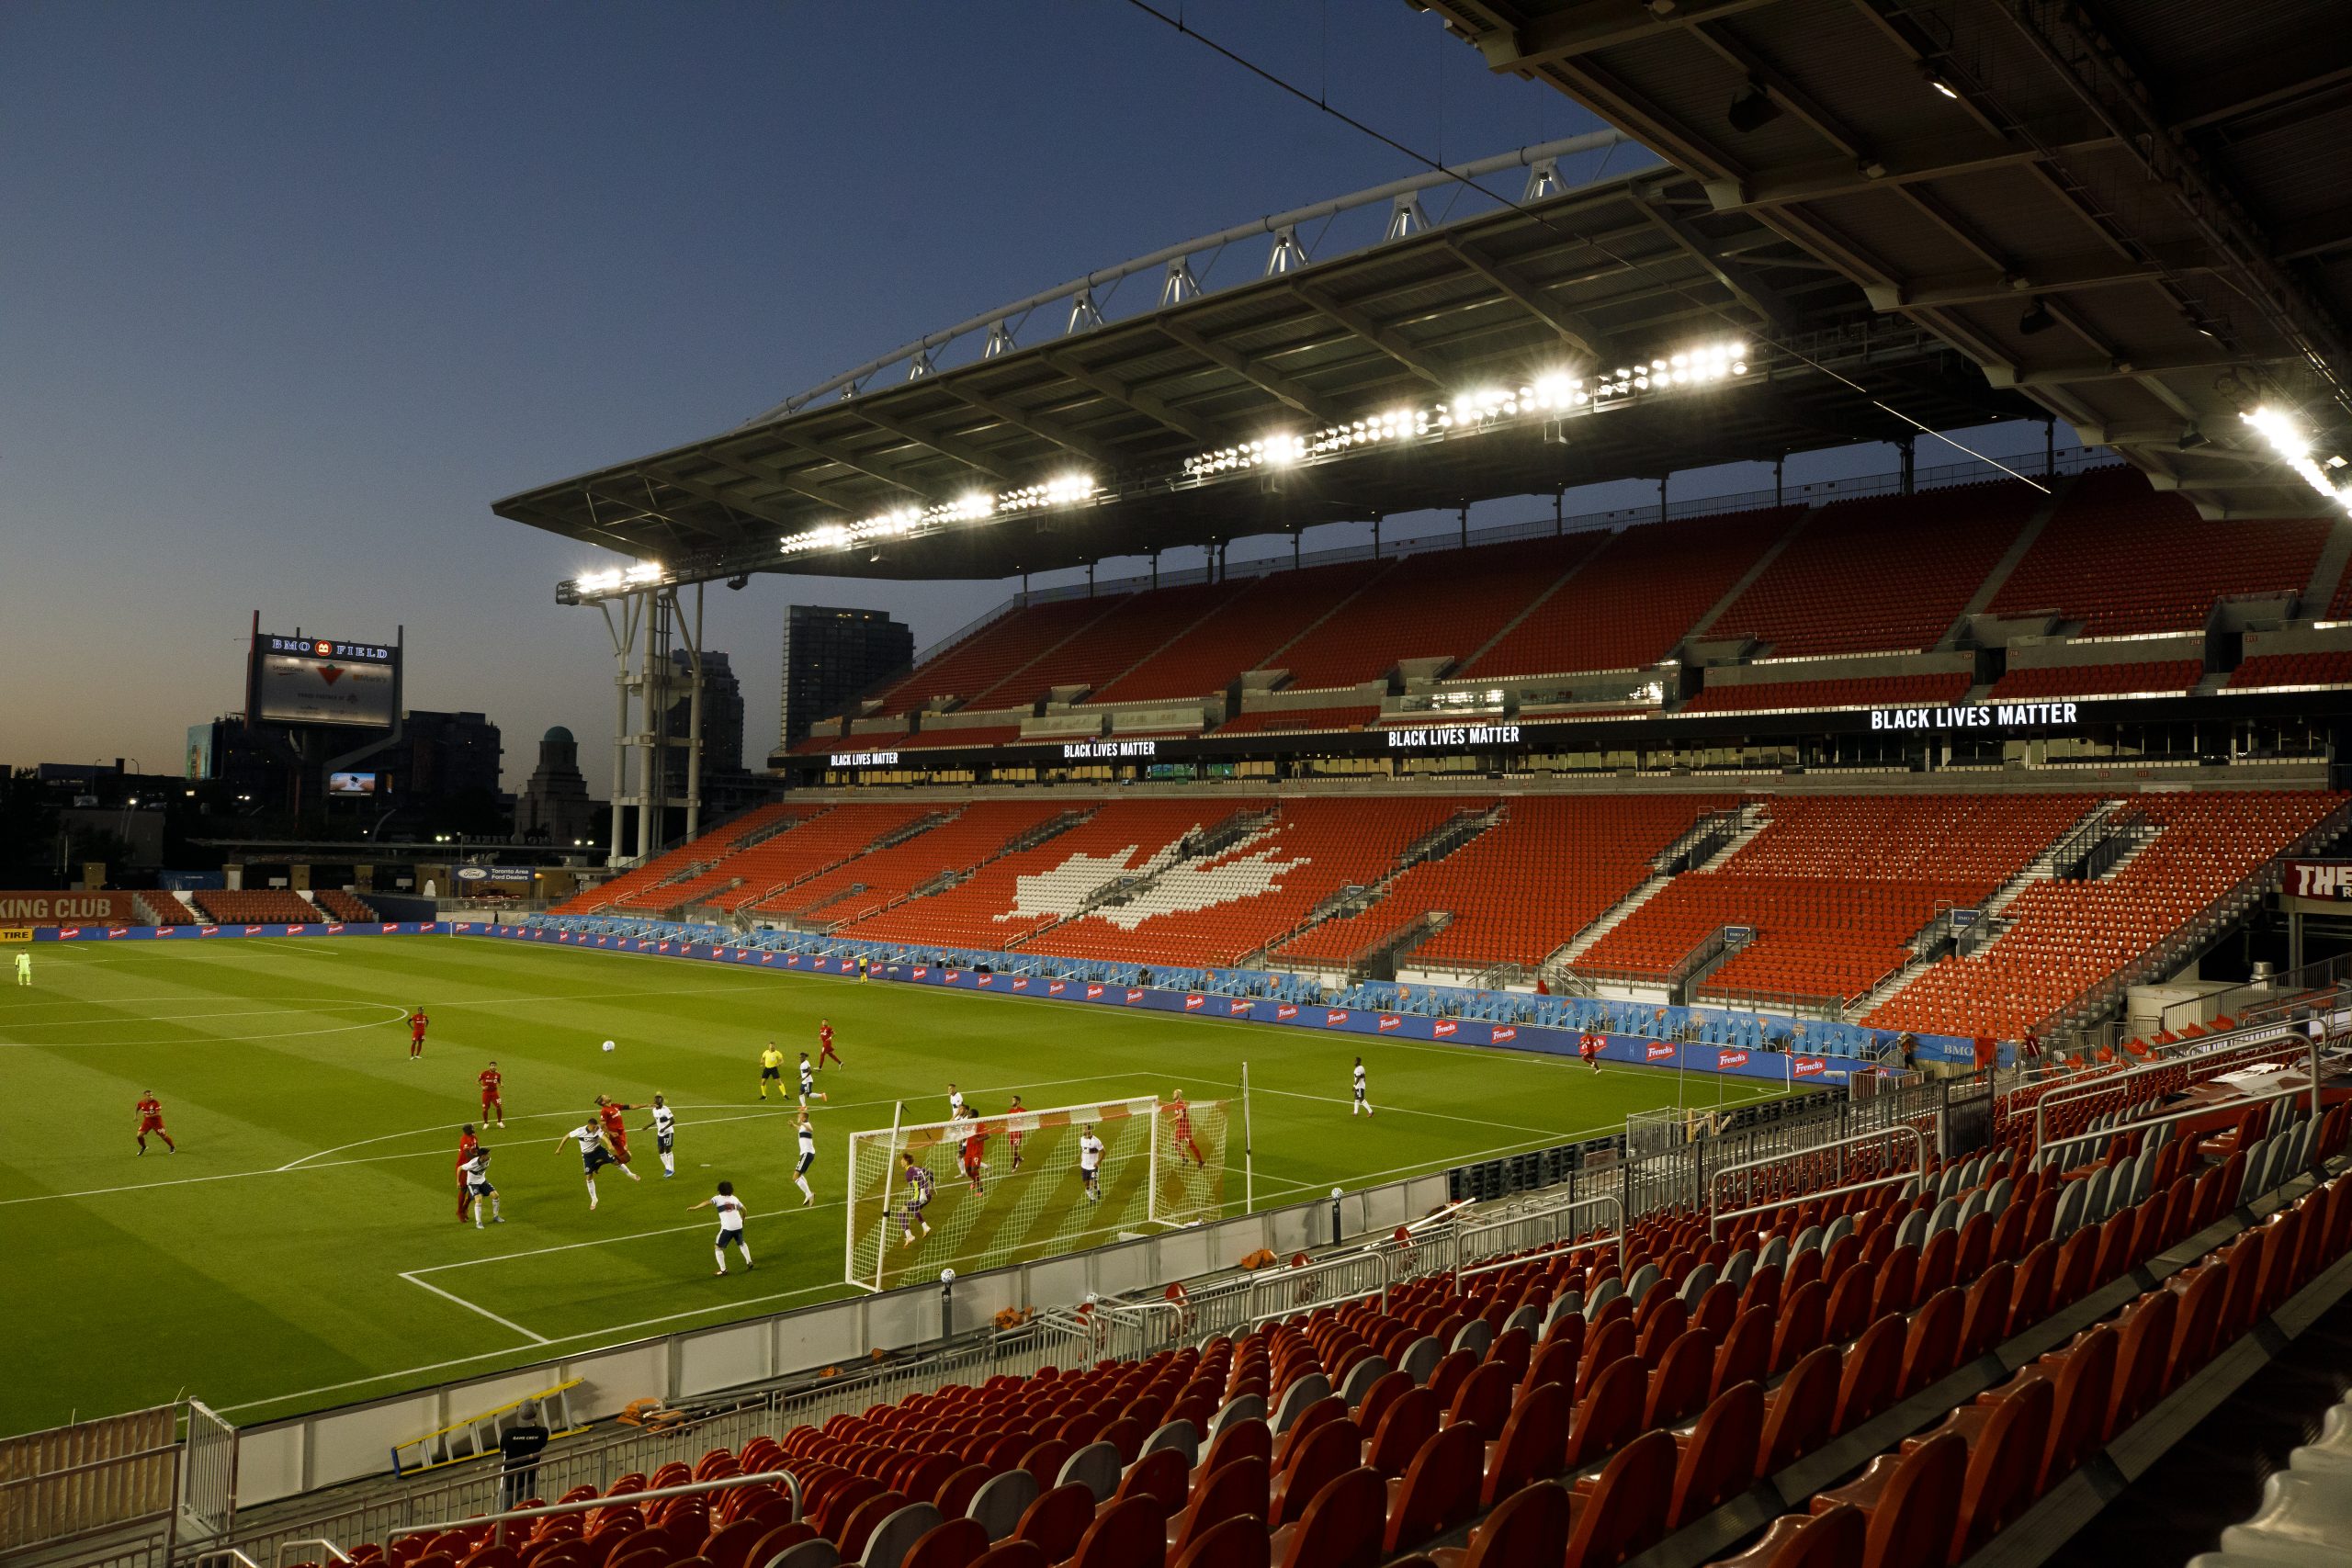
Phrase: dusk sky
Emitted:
{"points": [[293, 292]]}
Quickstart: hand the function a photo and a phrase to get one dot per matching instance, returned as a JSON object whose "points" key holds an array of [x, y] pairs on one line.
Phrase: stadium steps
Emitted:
{"points": [[1027, 839], [978, 699], [898, 835], [1187, 629], [2043, 867], [1999, 575], [1753, 819], [2185, 946], [1747, 579], [1535, 604], [1273, 660], [1436, 844]]}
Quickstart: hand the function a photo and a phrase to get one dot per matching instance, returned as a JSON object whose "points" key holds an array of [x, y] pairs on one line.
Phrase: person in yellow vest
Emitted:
{"points": [[771, 1069]]}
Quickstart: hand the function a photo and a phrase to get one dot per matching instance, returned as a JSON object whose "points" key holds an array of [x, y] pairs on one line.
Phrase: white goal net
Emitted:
{"points": [[1008, 1188]]}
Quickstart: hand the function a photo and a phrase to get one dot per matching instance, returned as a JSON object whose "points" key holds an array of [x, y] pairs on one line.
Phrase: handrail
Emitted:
{"points": [[1612, 1198], [619, 1500], [223, 1554], [1871, 1185], [2107, 1081], [2126, 1129], [333, 1552], [1919, 1172]]}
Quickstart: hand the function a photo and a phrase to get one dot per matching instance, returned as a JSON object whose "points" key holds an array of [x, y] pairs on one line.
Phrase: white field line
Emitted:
{"points": [[786, 1212], [301, 1165], [484, 1312]]}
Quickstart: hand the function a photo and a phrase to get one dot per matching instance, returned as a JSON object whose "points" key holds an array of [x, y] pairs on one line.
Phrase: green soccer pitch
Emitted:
{"points": [[302, 1250]]}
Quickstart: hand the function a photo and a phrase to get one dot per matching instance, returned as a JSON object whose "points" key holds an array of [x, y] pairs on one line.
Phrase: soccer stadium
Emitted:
{"points": [[1592, 1015]]}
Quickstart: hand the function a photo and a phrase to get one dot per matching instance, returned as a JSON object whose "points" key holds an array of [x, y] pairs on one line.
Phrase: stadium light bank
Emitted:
{"points": [[2286, 436], [1548, 398]]}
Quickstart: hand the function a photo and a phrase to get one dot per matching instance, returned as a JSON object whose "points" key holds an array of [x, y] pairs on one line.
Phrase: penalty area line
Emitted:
{"points": [[507, 1324]]}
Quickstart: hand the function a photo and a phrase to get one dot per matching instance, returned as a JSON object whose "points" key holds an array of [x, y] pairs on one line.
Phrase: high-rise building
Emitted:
{"points": [[830, 657], [722, 722], [443, 756], [555, 802]]}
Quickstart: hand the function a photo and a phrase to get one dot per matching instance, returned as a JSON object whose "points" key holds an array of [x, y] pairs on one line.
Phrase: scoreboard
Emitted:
{"points": [[302, 680]]}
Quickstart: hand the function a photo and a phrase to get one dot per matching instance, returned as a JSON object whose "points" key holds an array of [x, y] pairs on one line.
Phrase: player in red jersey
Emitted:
{"points": [[492, 1106], [615, 1129], [1181, 1116], [467, 1145], [416, 1023], [976, 1144], [1588, 1047], [151, 1120], [1013, 1129], [825, 1051]]}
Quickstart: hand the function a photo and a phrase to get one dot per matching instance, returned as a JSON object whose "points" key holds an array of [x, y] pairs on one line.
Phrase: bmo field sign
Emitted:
{"points": [[299, 680]]}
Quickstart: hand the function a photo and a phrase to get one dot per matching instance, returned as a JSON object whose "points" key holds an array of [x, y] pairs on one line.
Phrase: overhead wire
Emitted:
{"points": [[1436, 165]]}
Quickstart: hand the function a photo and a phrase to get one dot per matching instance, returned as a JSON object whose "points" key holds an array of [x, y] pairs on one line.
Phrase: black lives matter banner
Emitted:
{"points": [[319, 680], [1979, 716]]}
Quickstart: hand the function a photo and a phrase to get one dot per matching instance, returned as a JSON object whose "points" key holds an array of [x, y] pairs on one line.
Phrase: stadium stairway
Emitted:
{"points": [[2043, 867], [1754, 817]]}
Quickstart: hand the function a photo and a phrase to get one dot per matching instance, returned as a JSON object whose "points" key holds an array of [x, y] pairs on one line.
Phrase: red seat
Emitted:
{"points": [[1747, 1354], [1440, 1488], [1239, 1542], [1799, 1324], [1802, 1414], [1914, 1506], [1834, 1538], [1529, 1530], [1849, 1306], [1410, 1421], [1482, 1403], [1330, 1451], [1624, 1511], [1873, 1369], [2141, 1357], [1679, 1387], [1719, 1461], [1124, 1533], [1608, 1416], [1235, 1490], [956, 1543], [1534, 1444], [1931, 1347], [1056, 1520], [1340, 1529]]}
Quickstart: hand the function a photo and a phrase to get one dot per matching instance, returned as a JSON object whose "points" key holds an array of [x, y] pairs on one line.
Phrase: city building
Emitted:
{"points": [[830, 656], [555, 804]]}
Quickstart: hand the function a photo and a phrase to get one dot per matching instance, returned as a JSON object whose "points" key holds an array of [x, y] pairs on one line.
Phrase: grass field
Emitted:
{"points": [[301, 1250]]}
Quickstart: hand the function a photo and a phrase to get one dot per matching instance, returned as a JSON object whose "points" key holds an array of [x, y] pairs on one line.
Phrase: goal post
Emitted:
{"points": [[1159, 1168]]}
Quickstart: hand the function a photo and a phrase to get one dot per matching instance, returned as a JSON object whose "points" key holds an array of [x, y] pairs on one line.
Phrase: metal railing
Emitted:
{"points": [[334, 1552], [2192, 1062], [1523, 1229], [1717, 1215]]}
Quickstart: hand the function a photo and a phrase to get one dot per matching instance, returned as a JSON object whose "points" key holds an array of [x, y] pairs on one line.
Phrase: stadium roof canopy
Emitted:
{"points": [[2134, 212], [881, 480]]}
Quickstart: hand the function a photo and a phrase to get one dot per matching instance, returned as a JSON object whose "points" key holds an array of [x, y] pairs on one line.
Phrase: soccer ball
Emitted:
{"points": [[608, 1044]]}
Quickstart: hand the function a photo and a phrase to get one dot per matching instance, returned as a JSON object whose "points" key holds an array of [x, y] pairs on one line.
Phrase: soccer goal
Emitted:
{"points": [[1161, 1165]]}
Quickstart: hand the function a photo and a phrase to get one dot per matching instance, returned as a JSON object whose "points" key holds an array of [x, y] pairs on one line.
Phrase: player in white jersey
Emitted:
{"points": [[731, 1225], [593, 1154], [807, 1157], [1362, 1106], [478, 1188], [956, 1109], [808, 1089], [664, 1128], [1090, 1163]]}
